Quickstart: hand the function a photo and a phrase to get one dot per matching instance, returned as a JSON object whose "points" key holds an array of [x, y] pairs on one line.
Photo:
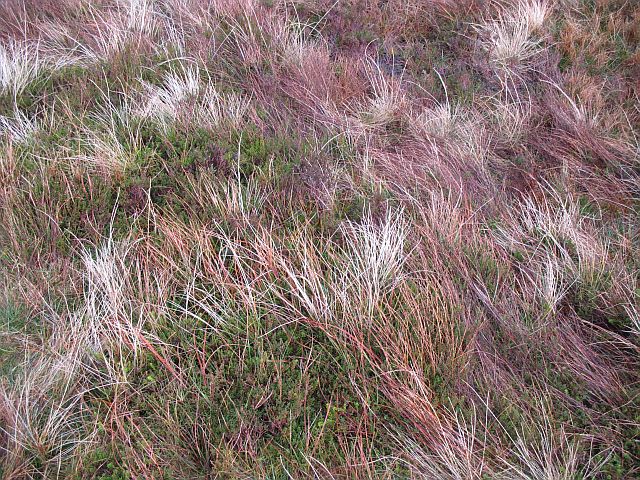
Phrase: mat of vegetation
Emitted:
{"points": [[352, 239]]}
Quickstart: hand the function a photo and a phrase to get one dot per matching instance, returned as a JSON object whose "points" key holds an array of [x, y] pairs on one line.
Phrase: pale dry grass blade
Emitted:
{"points": [[20, 128], [20, 64]]}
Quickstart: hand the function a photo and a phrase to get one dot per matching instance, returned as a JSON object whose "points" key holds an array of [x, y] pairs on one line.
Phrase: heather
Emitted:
{"points": [[354, 239]]}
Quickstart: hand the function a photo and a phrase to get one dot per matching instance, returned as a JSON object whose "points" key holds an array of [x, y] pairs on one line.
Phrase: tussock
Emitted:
{"points": [[250, 239]]}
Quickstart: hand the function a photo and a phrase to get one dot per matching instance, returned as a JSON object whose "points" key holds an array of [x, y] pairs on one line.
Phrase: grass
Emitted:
{"points": [[268, 239]]}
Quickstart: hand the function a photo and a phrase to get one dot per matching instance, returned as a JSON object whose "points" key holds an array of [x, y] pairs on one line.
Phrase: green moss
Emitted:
{"points": [[286, 388], [13, 320], [102, 464]]}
